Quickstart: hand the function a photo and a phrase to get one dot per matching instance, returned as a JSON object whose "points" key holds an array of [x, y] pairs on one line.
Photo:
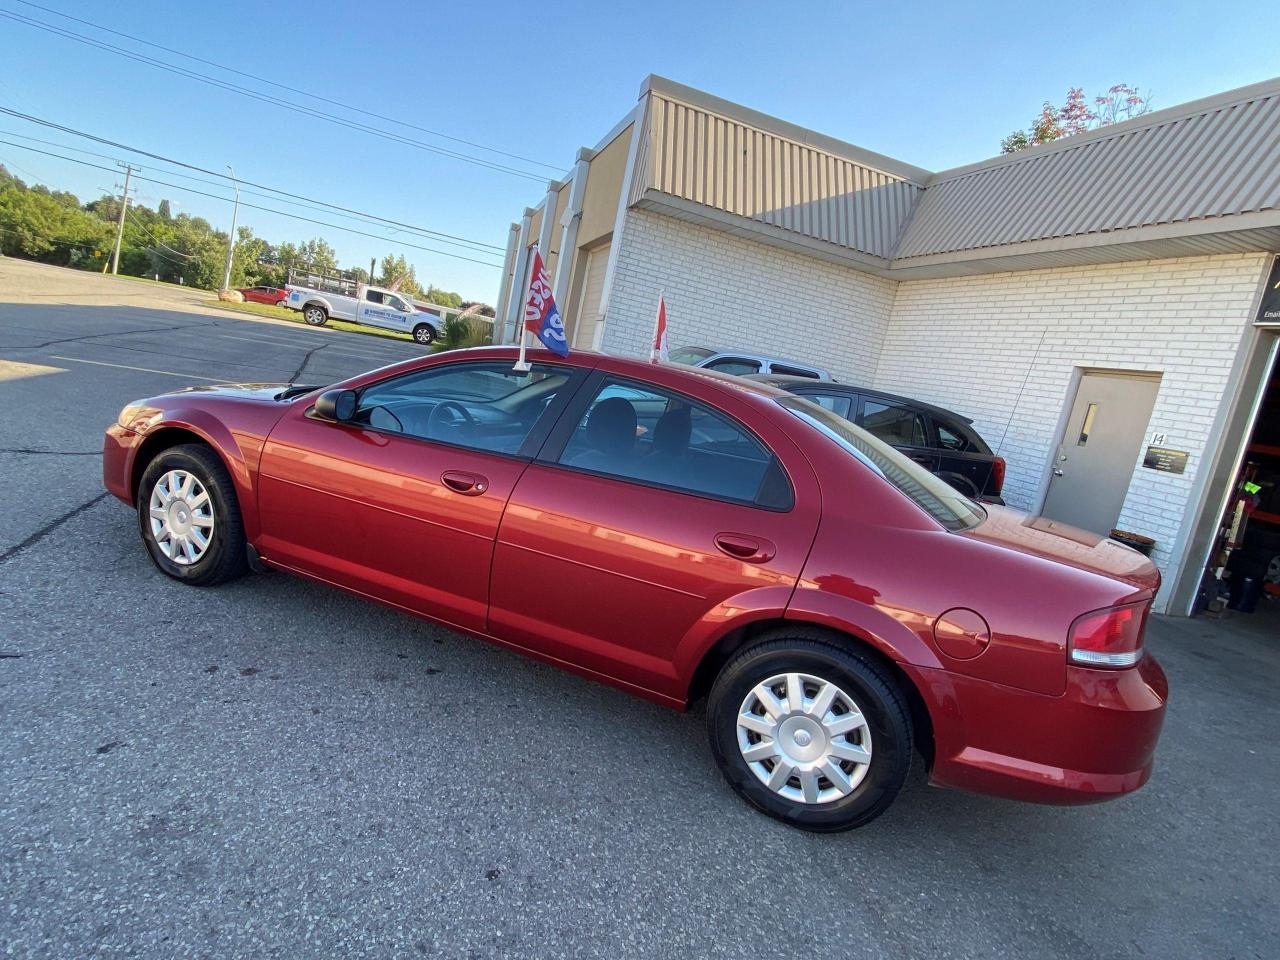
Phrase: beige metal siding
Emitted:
{"points": [[604, 187], [734, 167], [592, 289], [1214, 163]]}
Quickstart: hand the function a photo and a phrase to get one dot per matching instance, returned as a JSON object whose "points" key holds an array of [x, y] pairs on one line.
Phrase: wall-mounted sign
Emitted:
{"points": [[1269, 311], [1165, 460]]}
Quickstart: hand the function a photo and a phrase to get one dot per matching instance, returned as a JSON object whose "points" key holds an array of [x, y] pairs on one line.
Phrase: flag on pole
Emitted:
{"points": [[659, 350], [541, 317]]}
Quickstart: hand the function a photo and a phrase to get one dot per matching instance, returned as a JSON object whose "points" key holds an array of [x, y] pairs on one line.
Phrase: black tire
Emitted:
{"points": [[962, 483], [425, 334], [224, 558], [314, 315], [876, 693]]}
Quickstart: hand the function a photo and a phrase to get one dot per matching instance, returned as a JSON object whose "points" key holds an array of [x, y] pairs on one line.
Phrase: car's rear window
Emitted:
{"points": [[936, 497]]}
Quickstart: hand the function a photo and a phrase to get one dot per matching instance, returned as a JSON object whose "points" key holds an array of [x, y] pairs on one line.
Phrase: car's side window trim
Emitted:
{"points": [[572, 415], [532, 442]]}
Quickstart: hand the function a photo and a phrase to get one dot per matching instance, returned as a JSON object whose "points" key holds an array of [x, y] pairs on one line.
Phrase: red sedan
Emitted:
{"points": [[272, 295], [681, 534]]}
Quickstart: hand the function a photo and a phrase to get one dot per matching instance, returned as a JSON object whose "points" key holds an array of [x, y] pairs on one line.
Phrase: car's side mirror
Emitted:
{"points": [[338, 406]]}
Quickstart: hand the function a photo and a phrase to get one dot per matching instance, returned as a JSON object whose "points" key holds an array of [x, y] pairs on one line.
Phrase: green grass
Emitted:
{"points": [[293, 316]]}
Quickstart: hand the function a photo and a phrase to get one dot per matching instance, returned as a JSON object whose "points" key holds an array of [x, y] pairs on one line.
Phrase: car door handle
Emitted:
{"points": [[747, 549], [467, 484]]}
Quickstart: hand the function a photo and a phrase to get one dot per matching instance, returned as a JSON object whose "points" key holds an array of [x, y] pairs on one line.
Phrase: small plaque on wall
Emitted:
{"points": [[1166, 460]]}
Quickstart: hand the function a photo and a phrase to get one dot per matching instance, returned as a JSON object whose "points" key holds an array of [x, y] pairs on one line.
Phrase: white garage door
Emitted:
{"points": [[592, 288]]}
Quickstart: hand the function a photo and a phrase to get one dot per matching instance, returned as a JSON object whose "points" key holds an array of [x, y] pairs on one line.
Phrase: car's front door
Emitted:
{"points": [[648, 519], [379, 309], [403, 502]]}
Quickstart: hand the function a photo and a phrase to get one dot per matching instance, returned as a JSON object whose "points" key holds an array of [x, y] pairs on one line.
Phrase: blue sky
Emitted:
{"points": [[934, 85]]}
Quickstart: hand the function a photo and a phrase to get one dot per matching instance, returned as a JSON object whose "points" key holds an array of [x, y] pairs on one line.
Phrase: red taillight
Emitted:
{"points": [[997, 476], [1108, 638]]}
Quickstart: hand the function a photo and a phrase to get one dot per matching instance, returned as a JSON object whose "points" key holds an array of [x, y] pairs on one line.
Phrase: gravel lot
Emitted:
{"points": [[273, 769]]}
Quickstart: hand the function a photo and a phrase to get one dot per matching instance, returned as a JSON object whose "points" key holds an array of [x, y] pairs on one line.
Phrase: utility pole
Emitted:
{"points": [[231, 241], [124, 205], [373, 265]]}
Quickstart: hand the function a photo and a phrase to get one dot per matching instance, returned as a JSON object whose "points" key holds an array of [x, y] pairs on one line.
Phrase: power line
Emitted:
{"points": [[284, 86], [137, 222], [474, 246], [434, 234], [271, 99], [282, 213]]}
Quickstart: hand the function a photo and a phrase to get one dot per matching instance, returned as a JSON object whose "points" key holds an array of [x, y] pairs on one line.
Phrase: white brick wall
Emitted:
{"points": [[964, 343], [967, 344], [726, 291]]}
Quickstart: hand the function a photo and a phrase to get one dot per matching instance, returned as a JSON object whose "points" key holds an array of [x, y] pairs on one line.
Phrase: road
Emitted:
{"points": [[273, 769]]}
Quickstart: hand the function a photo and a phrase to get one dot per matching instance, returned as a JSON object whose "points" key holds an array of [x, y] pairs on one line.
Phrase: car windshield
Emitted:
{"points": [[936, 497], [690, 355]]}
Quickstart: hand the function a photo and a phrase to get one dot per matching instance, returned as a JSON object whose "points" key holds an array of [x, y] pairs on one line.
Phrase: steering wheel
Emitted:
{"points": [[459, 416]]}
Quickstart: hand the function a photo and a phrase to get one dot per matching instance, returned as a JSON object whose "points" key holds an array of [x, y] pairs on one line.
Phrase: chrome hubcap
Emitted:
{"points": [[804, 738], [181, 517]]}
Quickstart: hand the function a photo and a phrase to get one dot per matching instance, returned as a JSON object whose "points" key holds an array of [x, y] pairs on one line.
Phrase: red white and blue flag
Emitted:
{"points": [[541, 317]]}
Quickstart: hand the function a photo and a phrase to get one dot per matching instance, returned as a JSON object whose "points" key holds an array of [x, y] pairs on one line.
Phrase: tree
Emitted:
{"points": [[444, 298], [318, 256], [1120, 102], [396, 273], [163, 211]]}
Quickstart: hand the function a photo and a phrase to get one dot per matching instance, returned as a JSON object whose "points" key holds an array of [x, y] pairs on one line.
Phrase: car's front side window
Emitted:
{"points": [[483, 406], [636, 432]]}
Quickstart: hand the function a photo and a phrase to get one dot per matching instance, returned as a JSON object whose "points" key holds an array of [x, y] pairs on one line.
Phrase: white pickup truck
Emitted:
{"points": [[372, 306]]}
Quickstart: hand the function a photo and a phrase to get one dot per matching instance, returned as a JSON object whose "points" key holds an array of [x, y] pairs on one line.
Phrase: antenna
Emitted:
{"points": [[1018, 399]]}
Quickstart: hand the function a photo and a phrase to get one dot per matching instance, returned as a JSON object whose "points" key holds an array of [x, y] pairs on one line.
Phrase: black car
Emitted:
{"points": [[938, 439]]}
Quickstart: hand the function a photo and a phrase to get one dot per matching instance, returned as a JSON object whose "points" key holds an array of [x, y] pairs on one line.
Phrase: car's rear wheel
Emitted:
{"points": [[810, 732], [189, 516], [315, 316], [425, 334]]}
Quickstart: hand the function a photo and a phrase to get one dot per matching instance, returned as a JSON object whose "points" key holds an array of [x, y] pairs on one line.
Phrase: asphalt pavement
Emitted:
{"points": [[275, 769]]}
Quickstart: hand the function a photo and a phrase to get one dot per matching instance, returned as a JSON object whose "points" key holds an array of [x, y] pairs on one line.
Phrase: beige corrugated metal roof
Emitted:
{"points": [[738, 162], [1194, 179], [1205, 161]]}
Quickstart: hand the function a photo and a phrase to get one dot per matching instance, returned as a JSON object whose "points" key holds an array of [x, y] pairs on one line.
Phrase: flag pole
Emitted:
{"points": [[657, 315], [522, 365]]}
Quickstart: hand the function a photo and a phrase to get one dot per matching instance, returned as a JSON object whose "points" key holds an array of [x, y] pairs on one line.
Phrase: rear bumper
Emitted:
{"points": [[117, 462], [1095, 742]]}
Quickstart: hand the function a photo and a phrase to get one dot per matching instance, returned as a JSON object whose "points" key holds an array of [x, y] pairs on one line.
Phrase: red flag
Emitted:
{"points": [[660, 351]]}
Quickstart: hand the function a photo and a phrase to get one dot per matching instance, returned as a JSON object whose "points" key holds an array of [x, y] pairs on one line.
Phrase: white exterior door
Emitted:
{"points": [[584, 335]]}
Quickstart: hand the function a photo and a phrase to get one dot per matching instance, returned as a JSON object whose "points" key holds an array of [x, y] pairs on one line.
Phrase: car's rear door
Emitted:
{"points": [[898, 425], [404, 502], [631, 536]]}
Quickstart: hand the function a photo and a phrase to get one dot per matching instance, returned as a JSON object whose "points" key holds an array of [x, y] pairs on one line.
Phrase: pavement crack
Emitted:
{"points": [[51, 453], [305, 360], [115, 333], [49, 527]]}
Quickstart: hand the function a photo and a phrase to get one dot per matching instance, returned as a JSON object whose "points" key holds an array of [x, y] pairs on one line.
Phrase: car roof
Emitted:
{"points": [[786, 382]]}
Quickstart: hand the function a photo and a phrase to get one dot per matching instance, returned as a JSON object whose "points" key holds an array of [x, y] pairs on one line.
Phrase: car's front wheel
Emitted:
{"points": [[425, 334], [810, 731], [189, 516]]}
